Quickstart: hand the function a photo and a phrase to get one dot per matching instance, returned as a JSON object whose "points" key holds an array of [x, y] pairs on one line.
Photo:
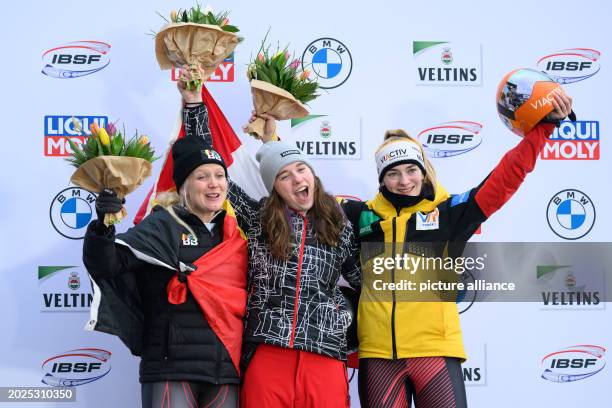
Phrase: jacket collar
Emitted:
{"points": [[380, 205]]}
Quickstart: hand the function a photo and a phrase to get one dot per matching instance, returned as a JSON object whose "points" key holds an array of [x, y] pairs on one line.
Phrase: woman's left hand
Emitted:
{"points": [[562, 104]]}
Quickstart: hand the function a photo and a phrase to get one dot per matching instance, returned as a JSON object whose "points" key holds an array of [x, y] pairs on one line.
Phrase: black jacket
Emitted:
{"points": [[174, 342]]}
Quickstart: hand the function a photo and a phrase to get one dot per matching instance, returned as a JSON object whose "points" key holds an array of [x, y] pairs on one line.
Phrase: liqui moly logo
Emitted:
{"points": [[573, 141], [59, 128]]}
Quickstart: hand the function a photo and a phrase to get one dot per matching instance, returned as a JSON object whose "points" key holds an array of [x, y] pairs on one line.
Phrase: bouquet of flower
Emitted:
{"points": [[197, 38], [279, 88], [106, 160]]}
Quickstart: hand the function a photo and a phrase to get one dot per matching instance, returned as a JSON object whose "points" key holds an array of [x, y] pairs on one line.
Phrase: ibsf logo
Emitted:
{"points": [[76, 59], [573, 141], [329, 60], [76, 367], [71, 211], [571, 65], [223, 73], [573, 363], [58, 129], [570, 214], [451, 138]]}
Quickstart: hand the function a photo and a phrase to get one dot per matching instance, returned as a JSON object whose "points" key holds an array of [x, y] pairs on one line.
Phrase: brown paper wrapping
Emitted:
{"points": [[202, 45], [118, 173], [273, 101]]}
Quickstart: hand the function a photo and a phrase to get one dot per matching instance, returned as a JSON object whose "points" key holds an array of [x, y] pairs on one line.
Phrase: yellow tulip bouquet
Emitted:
{"points": [[106, 160]]}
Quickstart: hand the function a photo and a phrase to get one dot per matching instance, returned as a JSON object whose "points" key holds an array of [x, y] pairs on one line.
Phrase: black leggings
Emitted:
{"points": [[433, 382], [189, 394]]}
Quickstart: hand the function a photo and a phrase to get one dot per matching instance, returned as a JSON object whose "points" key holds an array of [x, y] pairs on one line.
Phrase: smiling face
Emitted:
{"points": [[295, 183], [404, 179], [206, 188]]}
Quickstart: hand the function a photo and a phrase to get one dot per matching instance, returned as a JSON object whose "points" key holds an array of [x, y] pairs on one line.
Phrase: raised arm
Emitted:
{"points": [[470, 209]]}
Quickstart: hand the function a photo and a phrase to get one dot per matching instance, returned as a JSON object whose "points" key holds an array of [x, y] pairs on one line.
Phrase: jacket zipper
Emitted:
{"points": [[297, 284], [393, 297]]}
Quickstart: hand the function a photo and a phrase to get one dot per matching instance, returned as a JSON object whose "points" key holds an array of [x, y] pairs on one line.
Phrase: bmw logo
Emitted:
{"points": [[570, 214], [329, 61], [71, 211]]}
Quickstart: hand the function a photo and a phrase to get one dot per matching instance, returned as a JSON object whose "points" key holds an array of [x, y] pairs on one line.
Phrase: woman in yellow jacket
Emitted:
{"points": [[413, 350]]}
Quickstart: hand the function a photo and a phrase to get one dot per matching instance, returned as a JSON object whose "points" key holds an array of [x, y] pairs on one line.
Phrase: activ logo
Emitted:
{"points": [[223, 73], [329, 60], [76, 59], [59, 128], [62, 289], [447, 63], [573, 363], [571, 65], [570, 214], [451, 138], [573, 141], [327, 136], [71, 211], [76, 367]]}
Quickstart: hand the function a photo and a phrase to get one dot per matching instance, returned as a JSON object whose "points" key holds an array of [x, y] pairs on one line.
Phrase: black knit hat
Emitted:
{"points": [[188, 153]]}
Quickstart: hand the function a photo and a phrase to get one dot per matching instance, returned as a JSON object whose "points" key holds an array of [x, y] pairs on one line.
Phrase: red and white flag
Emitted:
{"points": [[241, 167]]}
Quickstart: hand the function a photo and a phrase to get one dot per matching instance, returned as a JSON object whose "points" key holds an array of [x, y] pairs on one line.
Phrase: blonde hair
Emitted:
{"points": [[400, 135], [169, 199]]}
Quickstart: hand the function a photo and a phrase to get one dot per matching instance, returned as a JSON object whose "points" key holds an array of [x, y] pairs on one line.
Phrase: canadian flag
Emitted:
{"points": [[241, 167]]}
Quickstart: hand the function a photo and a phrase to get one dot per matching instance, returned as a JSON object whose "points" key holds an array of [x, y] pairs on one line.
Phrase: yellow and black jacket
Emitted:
{"points": [[395, 329]]}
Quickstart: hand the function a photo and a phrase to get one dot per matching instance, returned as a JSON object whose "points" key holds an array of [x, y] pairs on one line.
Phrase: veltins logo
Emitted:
{"points": [[573, 363], [571, 65], [71, 211], [76, 59], [447, 63], [62, 289], [327, 136], [451, 138], [569, 287], [573, 141], [475, 368], [329, 60], [60, 128], [76, 367], [223, 73], [570, 214]]}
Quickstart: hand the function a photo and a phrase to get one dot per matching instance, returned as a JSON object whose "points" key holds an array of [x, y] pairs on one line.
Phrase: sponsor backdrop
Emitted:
{"points": [[429, 68]]}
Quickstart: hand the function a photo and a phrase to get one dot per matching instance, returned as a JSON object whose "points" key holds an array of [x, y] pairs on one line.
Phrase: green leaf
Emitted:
{"points": [[230, 28], [116, 145]]}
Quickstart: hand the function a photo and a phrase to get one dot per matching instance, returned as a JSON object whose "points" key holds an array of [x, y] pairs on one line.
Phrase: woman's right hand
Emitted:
{"points": [[189, 96], [269, 127]]}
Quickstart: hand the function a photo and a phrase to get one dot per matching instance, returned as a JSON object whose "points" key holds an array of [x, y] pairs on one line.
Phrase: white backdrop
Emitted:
{"points": [[43, 315]]}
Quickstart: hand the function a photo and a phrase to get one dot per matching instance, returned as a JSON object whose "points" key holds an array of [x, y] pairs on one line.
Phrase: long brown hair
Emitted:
{"points": [[325, 214]]}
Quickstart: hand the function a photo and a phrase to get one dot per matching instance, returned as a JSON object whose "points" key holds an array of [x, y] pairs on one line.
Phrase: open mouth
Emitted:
{"points": [[213, 196], [302, 193]]}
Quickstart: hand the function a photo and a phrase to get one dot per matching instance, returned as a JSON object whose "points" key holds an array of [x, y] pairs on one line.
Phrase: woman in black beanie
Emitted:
{"points": [[173, 287]]}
